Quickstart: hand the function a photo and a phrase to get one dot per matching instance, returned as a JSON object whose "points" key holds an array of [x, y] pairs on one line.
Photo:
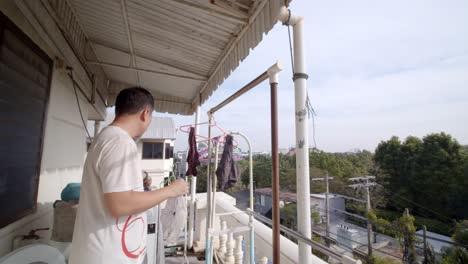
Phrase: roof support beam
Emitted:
{"points": [[123, 4], [146, 70], [196, 75]]}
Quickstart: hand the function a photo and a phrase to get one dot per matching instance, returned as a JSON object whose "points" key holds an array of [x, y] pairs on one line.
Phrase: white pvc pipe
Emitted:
{"points": [[213, 198], [193, 192], [197, 119], [302, 141], [208, 256]]}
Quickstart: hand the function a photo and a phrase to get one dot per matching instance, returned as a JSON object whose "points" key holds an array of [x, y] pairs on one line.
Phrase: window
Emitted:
{"points": [[25, 73], [169, 151], [262, 200], [153, 150]]}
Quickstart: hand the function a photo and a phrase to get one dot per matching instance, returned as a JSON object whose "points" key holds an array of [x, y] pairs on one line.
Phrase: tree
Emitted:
{"points": [[407, 238], [382, 225], [421, 170], [461, 232], [457, 255]]}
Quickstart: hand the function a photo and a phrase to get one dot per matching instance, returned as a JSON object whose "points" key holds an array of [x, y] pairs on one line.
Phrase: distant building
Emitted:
{"points": [[337, 206], [291, 152], [263, 200], [263, 203], [437, 244], [261, 153], [155, 146], [283, 150]]}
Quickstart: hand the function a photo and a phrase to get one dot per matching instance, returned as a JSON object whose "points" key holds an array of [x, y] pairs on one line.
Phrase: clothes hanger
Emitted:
{"points": [[220, 138]]}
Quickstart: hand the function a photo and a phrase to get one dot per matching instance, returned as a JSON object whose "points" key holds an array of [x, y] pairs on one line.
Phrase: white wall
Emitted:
{"points": [[64, 142]]}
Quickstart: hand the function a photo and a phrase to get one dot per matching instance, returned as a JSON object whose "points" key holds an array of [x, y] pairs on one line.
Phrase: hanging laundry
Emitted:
{"points": [[192, 157], [228, 173]]}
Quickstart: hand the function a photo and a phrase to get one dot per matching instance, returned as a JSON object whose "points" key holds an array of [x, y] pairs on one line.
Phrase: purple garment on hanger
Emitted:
{"points": [[228, 172], [192, 157]]}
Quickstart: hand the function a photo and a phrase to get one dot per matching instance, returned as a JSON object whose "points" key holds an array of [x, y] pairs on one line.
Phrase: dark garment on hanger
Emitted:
{"points": [[228, 172], [192, 157]]}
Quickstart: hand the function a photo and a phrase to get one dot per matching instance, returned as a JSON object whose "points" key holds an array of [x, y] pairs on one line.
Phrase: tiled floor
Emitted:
{"points": [[181, 260]]}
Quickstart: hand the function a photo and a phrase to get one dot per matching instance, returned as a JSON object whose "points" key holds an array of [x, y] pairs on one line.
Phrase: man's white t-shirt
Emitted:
{"points": [[112, 165]]}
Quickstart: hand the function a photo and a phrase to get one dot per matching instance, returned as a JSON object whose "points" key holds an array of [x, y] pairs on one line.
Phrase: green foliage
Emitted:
{"points": [[289, 215], [455, 255], [317, 253], [201, 178], [315, 217], [461, 232], [429, 255], [382, 225], [380, 260], [434, 225], [422, 170], [465, 148]]}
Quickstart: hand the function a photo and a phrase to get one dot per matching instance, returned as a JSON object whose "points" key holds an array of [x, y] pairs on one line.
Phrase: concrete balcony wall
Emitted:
{"points": [[263, 233]]}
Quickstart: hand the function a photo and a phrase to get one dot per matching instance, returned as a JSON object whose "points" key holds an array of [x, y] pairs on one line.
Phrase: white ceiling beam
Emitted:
{"points": [[107, 46], [145, 70], [123, 4]]}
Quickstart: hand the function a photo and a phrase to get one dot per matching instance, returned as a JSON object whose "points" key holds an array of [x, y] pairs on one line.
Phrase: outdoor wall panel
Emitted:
{"points": [[25, 73]]}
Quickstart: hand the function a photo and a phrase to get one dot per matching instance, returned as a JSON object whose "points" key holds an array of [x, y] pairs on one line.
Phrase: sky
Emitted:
{"points": [[376, 69]]}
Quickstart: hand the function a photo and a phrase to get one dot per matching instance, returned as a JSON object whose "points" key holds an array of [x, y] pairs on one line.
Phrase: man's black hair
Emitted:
{"points": [[132, 100]]}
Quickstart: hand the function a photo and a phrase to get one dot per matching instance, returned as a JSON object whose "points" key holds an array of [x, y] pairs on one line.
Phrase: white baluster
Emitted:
{"points": [[222, 240], [263, 260], [239, 255], [229, 257]]}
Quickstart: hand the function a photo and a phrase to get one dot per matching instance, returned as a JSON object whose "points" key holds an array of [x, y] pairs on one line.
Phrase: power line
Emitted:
{"points": [[421, 206], [79, 106], [394, 198]]}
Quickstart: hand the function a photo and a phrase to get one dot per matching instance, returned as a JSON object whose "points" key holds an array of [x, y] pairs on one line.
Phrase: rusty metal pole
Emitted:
{"points": [[273, 73], [275, 172]]}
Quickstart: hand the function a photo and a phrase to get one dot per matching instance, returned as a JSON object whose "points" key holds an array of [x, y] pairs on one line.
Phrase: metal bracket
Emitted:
{"points": [[299, 75]]}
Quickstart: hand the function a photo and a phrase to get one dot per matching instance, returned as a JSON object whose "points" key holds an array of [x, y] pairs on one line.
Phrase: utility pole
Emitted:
{"points": [[365, 182], [327, 205]]}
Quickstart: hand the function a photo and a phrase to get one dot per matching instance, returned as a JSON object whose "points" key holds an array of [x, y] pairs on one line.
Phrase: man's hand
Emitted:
{"points": [[130, 202], [147, 182], [178, 187]]}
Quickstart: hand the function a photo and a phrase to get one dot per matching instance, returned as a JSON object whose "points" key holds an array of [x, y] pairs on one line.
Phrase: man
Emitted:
{"points": [[111, 223]]}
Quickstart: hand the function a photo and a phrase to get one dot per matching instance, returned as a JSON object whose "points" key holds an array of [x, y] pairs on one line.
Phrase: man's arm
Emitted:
{"points": [[130, 202]]}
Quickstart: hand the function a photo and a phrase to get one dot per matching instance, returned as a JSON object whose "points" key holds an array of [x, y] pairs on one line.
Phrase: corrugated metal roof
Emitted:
{"points": [[159, 128], [181, 50]]}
